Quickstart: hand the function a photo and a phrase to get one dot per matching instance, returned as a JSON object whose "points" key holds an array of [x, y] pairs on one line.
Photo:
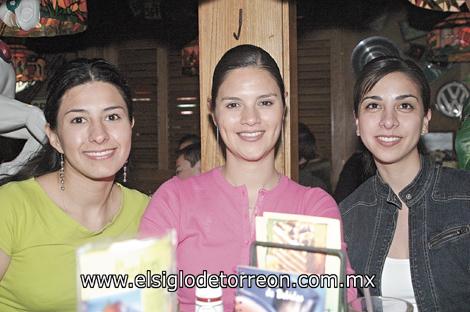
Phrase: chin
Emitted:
{"points": [[102, 175], [390, 159], [254, 157], [103, 178]]}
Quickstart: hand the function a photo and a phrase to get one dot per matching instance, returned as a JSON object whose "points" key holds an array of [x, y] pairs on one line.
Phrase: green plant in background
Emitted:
{"points": [[462, 139]]}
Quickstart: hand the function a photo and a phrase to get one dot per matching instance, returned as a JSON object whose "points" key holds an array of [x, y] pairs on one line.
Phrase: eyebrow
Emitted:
{"points": [[234, 98], [267, 95], [404, 96], [400, 97], [230, 98], [79, 110]]}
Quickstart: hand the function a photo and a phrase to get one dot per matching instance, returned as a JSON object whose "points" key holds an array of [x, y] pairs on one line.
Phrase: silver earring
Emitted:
{"points": [[61, 173], [217, 136], [124, 178]]}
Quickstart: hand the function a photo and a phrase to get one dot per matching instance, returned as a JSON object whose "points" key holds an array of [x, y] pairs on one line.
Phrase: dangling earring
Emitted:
{"points": [[217, 136], [61, 173], [124, 175]]}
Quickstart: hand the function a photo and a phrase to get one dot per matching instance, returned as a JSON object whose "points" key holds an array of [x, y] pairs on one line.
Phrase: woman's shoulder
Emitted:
{"points": [[454, 173], [307, 193], [451, 182], [191, 184], [20, 189], [19, 198], [134, 196], [292, 186], [364, 193]]}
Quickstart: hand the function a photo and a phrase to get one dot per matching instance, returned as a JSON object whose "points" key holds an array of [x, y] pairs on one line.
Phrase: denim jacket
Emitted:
{"points": [[439, 233]]}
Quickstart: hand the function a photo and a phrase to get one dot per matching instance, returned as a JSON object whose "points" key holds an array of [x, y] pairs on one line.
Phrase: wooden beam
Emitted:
{"points": [[270, 24], [162, 106]]}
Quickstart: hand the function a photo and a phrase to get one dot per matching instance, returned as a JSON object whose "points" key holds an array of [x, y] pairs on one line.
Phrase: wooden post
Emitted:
{"points": [[269, 24], [162, 100]]}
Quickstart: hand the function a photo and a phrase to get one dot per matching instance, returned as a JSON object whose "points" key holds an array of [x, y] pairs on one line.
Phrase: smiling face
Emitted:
{"points": [[249, 113], [391, 119], [93, 131]]}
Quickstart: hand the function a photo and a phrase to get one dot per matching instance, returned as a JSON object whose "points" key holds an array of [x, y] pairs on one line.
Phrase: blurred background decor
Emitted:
{"points": [[451, 98], [441, 5], [29, 67], [57, 17], [449, 41], [190, 58]]}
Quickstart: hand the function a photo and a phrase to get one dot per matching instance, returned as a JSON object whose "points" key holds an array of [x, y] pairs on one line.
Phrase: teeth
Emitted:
{"points": [[100, 154], [251, 134], [388, 139]]}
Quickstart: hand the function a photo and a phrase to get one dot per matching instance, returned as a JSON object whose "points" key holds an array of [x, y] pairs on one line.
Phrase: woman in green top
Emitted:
{"points": [[67, 195]]}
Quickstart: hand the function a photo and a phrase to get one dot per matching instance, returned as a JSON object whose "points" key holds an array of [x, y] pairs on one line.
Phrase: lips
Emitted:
{"points": [[250, 136], [101, 154], [388, 140]]}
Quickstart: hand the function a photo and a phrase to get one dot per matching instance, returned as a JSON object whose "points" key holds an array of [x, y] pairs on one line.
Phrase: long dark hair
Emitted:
{"points": [[69, 75], [371, 74]]}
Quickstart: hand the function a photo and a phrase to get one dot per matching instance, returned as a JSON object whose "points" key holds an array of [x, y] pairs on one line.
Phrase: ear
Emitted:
{"points": [[358, 133], [426, 120], [286, 95], [210, 111], [53, 139]]}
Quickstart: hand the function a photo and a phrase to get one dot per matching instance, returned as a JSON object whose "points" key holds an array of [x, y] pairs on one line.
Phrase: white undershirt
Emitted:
{"points": [[396, 280]]}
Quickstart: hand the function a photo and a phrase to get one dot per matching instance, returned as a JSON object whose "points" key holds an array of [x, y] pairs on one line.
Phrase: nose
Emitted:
{"points": [[250, 116], [98, 132], [389, 119]]}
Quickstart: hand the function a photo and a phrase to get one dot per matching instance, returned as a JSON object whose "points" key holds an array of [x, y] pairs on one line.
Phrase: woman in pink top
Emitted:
{"points": [[214, 213]]}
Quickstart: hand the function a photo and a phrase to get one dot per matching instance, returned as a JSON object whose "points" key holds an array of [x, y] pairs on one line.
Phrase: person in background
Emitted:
{"points": [[409, 224], [214, 213], [67, 195], [314, 171], [188, 161], [188, 139], [353, 174]]}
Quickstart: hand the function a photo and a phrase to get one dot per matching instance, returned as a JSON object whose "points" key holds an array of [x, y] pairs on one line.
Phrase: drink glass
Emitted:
{"points": [[380, 304]]}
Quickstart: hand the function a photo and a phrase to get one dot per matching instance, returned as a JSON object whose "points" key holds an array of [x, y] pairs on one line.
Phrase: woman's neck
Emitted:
{"points": [[92, 203], [400, 174], [254, 175], [86, 192]]}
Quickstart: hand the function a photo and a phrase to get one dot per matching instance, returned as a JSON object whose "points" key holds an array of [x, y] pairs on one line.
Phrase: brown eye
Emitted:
{"points": [[372, 106], [78, 120], [266, 103], [113, 117], [406, 106], [232, 105]]}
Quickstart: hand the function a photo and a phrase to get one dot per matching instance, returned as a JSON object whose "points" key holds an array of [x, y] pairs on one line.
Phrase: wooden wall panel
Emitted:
{"points": [[270, 24], [140, 67], [315, 89], [182, 89], [144, 63]]}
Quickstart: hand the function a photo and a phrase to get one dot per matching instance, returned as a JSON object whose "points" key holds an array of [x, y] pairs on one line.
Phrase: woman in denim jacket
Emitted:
{"points": [[409, 224]]}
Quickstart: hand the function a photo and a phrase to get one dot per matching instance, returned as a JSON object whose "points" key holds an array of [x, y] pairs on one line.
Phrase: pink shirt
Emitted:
{"points": [[213, 227]]}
